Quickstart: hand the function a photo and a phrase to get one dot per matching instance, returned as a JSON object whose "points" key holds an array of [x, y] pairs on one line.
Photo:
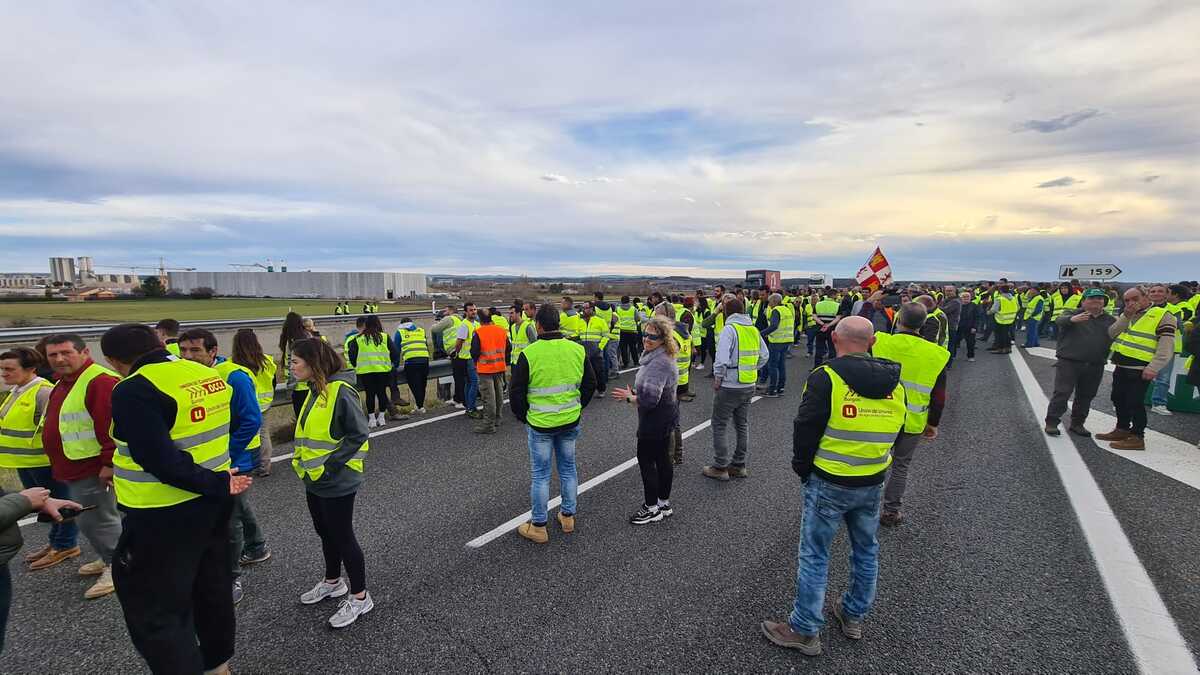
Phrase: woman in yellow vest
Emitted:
{"points": [[292, 331], [21, 440], [247, 352], [373, 356], [331, 446]]}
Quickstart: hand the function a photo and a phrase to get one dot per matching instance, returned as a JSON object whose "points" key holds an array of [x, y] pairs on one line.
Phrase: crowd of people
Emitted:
{"points": [[155, 459]]}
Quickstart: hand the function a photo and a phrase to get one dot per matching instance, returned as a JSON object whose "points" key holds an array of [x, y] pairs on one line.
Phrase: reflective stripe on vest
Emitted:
{"points": [[465, 352], [786, 332], [1035, 308], [264, 383], [594, 331], [492, 343], [627, 319], [227, 368], [314, 443], [1139, 341], [683, 357], [747, 344], [201, 429], [1007, 312], [555, 374], [373, 357], [20, 433], [861, 431], [921, 362], [75, 423], [826, 309], [413, 344]]}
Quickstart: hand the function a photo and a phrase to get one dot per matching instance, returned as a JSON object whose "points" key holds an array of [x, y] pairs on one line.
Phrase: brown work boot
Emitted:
{"points": [[716, 473], [1129, 443], [782, 634], [535, 533], [738, 471], [891, 518], [53, 558], [566, 522], [37, 553], [1078, 430], [1114, 435], [851, 628], [1052, 429]]}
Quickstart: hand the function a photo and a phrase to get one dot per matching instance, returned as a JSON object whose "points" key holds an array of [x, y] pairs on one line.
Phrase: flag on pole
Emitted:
{"points": [[876, 273]]}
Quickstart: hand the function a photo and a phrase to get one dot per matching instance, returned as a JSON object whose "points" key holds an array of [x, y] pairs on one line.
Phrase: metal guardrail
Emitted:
{"points": [[96, 330], [437, 369]]}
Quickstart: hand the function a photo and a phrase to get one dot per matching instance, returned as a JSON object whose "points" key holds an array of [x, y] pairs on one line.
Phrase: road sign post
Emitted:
{"points": [[1089, 271]]}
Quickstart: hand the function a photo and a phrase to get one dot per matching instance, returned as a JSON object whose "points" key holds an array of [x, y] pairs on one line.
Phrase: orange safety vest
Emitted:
{"points": [[492, 342]]}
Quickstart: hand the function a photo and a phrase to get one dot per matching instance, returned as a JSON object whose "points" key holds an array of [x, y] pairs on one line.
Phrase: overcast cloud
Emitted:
{"points": [[968, 140]]}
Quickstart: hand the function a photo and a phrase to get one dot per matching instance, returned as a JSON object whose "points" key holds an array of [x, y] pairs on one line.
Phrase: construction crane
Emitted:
{"points": [[268, 267], [161, 268]]}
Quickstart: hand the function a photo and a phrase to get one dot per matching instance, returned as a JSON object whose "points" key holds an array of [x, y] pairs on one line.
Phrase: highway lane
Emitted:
{"points": [[991, 571]]}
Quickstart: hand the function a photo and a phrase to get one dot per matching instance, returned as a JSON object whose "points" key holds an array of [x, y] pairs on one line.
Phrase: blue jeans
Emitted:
{"points": [[562, 444], [810, 335], [63, 536], [825, 506], [1162, 384], [1031, 332], [777, 366], [472, 393]]}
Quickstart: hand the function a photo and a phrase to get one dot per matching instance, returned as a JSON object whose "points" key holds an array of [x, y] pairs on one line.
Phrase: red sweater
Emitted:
{"points": [[98, 401]]}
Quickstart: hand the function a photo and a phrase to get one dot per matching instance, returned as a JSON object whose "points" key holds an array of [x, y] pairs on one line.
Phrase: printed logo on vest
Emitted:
{"points": [[849, 411], [197, 414]]}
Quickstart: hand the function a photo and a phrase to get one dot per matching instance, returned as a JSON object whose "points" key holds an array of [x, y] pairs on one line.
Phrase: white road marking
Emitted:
{"points": [[511, 524], [283, 458], [1151, 632], [1047, 353]]}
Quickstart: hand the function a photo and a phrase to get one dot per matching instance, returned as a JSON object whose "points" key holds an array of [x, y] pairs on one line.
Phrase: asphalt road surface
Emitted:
{"points": [[994, 569]]}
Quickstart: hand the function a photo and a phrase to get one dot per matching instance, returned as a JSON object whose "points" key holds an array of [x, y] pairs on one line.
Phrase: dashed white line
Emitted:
{"points": [[1150, 630], [511, 524]]}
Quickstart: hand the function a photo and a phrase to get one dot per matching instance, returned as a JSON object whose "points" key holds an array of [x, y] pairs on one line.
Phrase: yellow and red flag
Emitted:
{"points": [[876, 273]]}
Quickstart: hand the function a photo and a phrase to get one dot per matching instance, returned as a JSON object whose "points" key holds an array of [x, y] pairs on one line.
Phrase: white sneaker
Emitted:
{"points": [[371, 423], [420, 411], [1160, 410], [323, 590], [699, 366], [459, 406], [350, 609], [382, 420]]}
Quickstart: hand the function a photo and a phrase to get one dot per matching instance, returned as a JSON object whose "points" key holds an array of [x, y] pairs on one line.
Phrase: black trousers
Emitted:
{"points": [[376, 386], [298, 401], [1004, 336], [822, 348], [333, 519], [459, 371], [416, 372], [655, 465], [960, 336], [597, 359], [1129, 398], [171, 570], [1082, 379], [630, 349]]}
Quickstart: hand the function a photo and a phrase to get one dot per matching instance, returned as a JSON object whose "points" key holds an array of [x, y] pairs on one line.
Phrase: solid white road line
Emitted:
{"points": [[1047, 353], [555, 502], [1151, 632], [382, 432]]}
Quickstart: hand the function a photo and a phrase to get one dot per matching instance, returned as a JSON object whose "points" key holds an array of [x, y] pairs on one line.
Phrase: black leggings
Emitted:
{"points": [[416, 373], [333, 518], [657, 472], [376, 385]]}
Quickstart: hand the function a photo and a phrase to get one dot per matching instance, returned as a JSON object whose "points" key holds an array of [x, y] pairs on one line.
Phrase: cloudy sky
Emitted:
{"points": [[969, 140]]}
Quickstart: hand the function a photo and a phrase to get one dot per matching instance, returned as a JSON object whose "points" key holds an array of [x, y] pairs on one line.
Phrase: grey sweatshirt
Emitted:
{"points": [[1087, 341], [726, 359], [13, 507], [349, 428], [654, 386]]}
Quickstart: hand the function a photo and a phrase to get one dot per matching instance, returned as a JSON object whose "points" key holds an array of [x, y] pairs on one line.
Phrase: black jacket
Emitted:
{"points": [[867, 375], [518, 387], [970, 317], [142, 418]]}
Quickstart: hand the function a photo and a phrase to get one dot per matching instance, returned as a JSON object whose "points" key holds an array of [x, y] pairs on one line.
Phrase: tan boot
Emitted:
{"points": [[1114, 435], [535, 533], [1130, 443], [567, 522], [53, 558], [92, 569], [37, 553], [103, 586]]}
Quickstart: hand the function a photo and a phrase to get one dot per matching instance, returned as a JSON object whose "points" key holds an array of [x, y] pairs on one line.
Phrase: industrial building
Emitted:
{"points": [[331, 285]]}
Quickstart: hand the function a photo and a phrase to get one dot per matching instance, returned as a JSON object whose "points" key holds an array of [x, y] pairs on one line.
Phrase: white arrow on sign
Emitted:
{"points": [[1090, 271]]}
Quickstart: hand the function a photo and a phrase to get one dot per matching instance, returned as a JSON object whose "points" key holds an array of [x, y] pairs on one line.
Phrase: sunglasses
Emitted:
{"points": [[654, 337]]}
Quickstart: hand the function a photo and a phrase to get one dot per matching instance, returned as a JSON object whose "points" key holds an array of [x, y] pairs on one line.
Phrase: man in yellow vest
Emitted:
{"points": [[779, 334], [852, 410], [1143, 343], [247, 541], [174, 481], [1167, 298], [1004, 311], [628, 319], [552, 382], [741, 351], [168, 331], [923, 374], [77, 438], [1065, 299]]}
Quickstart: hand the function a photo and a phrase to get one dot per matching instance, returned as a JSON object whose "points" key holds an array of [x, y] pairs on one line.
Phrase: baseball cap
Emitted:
{"points": [[1094, 293]]}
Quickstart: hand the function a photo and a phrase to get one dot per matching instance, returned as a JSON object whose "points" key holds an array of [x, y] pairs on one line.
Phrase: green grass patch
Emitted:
{"points": [[183, 309]]}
